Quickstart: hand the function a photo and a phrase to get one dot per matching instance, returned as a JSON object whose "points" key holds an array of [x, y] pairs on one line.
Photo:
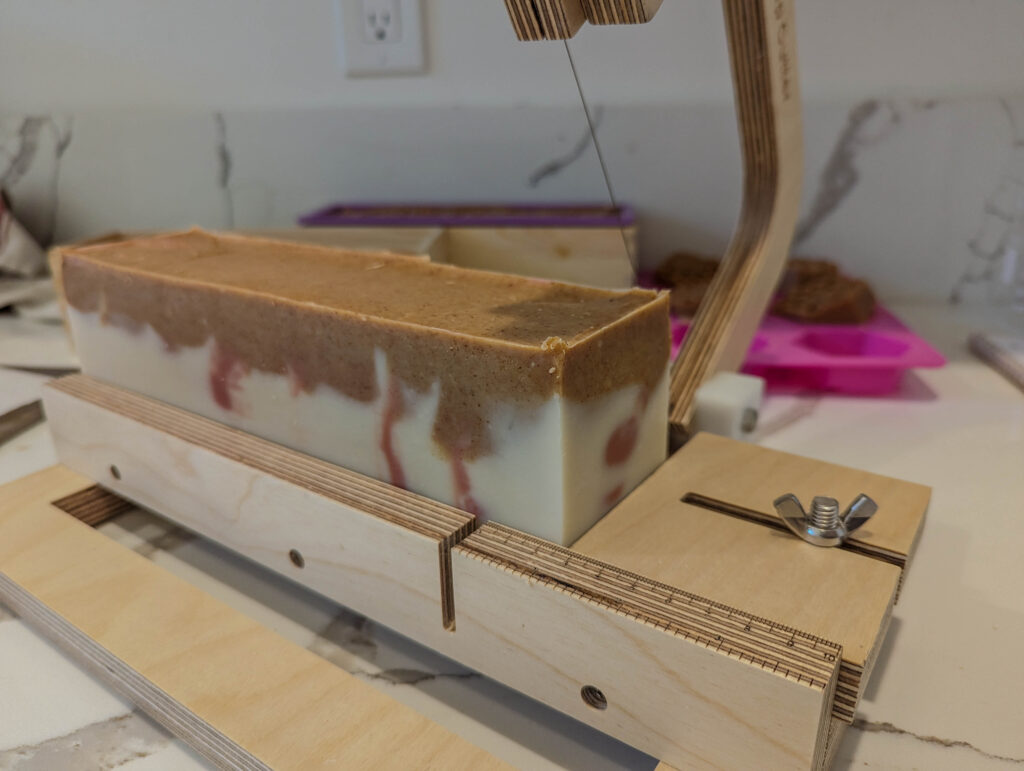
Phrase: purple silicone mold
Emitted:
{"points": [[554, 215]]}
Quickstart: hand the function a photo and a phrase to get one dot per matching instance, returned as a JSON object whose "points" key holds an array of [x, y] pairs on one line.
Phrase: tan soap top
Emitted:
{"points": [[317, 314]]}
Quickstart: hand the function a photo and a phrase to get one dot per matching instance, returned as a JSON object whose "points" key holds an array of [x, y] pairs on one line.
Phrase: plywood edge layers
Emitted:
{"points": [[93, 505], [762, 51], [620, 11], [761, 642], [545, 19]]}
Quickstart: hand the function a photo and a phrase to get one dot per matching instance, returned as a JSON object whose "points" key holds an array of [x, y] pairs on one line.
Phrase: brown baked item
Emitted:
{"points": [[828, 300], [689, 276], [687, 297], [685, 268], [802, 269], [811, 290]]}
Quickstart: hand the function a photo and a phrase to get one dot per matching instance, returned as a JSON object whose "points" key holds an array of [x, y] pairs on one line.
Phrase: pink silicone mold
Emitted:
{"points": [[867, 358]]}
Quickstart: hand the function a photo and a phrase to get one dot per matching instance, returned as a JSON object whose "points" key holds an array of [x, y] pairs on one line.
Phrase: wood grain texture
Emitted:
{"points": [[620, 11], [239, 693], [835, 594], [93, 505], [382, 551], [680, 667], [747, 479], [837, 730], [592, 256], [695, 683], [762, 50], [545, 19], [414, 242], [20, 419]]}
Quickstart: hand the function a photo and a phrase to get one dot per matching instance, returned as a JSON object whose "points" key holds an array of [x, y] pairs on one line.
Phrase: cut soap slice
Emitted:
{"points": [[534, 403]]}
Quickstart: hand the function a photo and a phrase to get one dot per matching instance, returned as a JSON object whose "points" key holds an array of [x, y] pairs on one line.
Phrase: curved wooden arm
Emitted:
{"points": [[762, 50]]}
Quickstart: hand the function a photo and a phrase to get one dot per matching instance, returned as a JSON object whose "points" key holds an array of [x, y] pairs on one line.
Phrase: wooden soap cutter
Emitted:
{"points": [[712, 636]]}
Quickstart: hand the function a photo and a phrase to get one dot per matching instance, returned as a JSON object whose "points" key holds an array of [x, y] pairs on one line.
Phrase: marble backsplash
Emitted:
{"points": [[914, 195]]}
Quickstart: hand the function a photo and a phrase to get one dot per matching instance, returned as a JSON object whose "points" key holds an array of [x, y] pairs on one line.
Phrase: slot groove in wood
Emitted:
{"points": [[749, 515], [93, 505]]}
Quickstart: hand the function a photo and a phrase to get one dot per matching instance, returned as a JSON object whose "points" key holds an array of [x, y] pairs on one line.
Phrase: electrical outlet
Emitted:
{"points": [[382, 22], [379, 37]]}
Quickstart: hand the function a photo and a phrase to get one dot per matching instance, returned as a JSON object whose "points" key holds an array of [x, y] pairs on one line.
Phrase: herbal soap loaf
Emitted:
{"points": [[533, 403]]}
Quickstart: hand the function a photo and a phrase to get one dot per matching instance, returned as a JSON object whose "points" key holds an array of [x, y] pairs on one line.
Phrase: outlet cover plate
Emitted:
{"points": [[379, 37]]}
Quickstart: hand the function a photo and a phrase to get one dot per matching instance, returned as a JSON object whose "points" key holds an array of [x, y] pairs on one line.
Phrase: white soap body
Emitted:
{"points": [[548, 473]]}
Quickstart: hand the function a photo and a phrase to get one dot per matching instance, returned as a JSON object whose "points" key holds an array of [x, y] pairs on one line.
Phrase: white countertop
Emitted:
{"points": [[944, 694]]}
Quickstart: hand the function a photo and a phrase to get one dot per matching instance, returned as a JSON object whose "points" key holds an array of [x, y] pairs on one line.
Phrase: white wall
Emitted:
{"points": [[913, 113], [74, 54]]}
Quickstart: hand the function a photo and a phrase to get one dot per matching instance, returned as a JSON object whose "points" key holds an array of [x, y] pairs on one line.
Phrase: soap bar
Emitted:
{"points": [[534, 403]]}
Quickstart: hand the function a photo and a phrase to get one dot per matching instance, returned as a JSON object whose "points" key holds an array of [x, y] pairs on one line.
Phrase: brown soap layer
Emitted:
{"points": [[316, 314]]}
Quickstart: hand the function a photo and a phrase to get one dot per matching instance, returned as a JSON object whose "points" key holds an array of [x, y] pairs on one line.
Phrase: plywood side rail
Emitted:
{"points": [[762, 50], [386, 550]]}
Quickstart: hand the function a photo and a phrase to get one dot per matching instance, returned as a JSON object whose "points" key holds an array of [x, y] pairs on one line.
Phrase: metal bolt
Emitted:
{"points": [[824, 526], [748, 421], [824, 512]]}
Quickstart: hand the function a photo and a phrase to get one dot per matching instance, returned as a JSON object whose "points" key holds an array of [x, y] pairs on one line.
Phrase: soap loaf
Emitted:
{"points": [[535, 403]]}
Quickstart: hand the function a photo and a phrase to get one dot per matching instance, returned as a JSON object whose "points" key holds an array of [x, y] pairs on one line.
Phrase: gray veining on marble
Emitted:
{"points": [[23, 142], [404, 676], [224, 164], [99, 746], [1001, 212], [168, 541], [870, 726], [349, 631], [560, 162], [350, 641], [868, 123], [19, 148]]}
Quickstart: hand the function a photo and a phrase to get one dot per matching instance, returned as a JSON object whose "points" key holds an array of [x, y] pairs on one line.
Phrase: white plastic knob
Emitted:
{"points": [[726, 403]]}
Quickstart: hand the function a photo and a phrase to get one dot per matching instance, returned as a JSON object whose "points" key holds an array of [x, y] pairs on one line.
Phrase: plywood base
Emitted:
{"points": [[841, 594], [693, 681], [240, 694]]}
